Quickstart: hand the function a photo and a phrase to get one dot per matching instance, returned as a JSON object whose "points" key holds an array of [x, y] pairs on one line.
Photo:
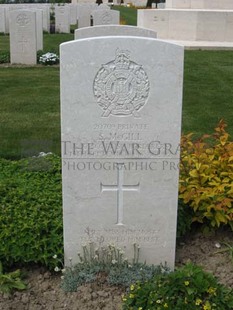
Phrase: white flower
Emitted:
{"points": [[63, 270], [56, 269], [217, 245], [49, 59], [55, 256]]}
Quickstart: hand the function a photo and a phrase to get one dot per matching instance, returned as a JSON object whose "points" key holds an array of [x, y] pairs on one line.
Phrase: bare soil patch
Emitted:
{"points": [[44, 290]]}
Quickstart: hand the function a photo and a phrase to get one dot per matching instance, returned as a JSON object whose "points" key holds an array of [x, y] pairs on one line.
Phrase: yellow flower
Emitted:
{"points": [[186, 283], [207, 306], [212, 290], [123, 297], [131, 295], [198, 301], [132, 287], [158, 301], [165, 305]]}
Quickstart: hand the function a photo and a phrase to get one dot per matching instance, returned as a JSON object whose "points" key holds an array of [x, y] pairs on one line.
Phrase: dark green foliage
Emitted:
{"points": [[184, 221], [30, 211], [4, 57], [39, 54], [188, 288]]}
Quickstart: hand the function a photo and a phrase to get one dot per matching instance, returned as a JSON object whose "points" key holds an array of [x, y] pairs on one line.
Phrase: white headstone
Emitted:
{"points": [[2, 20], [113, 30], [39, 29], [153, 5], [73, 14], [7, 13], [121, 122], [84, 15], [161, 6], [46, 18], [23, 45], [103, 6], [106, 17], [62, 19]]}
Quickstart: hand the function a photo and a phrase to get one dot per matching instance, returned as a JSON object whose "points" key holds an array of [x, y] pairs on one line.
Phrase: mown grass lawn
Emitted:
{"points": [[208, 91], [128, 15], [30, 112], [30, 108]]}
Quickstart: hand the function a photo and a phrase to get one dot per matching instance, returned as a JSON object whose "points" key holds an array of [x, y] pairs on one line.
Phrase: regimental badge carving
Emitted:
{"points": [[121, 86], [22, 20]]}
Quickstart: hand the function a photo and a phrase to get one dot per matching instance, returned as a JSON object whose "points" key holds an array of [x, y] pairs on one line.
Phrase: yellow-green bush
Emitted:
{"points": [[206, 177]]}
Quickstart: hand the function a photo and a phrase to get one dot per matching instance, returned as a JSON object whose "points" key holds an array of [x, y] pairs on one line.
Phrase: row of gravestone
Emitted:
{"points": [[83, 13], [136, 3], [65, 15], [26, 28], [5, 10], [120, 125]]}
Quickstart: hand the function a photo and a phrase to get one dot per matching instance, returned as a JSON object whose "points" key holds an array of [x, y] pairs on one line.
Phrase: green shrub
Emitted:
{"points": [[4, 57], [206, 177], [188, 288], [30, 211]]}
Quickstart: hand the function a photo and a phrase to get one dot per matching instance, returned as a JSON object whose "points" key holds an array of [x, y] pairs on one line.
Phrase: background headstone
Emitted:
{"points": [[84, 15], [62, 19], [2, 20], [73, 14], [23, 45], [106, 17], [121, 122], [113, 30], [39, 29]]}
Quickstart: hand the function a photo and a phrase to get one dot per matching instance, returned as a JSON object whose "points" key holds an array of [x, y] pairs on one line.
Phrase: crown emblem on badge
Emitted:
{"points": [[122, 60], [121, 86]]}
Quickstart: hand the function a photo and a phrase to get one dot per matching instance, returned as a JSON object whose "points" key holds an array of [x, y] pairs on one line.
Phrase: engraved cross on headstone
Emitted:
{"points": [[120, 188], [23, 42]]}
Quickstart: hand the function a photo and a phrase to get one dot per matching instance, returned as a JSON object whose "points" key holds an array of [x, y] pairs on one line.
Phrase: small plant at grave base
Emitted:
{"points": [[110, 262], [10, 281], [188, 288], [206, 177], [4, 57], [49, 59]]}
